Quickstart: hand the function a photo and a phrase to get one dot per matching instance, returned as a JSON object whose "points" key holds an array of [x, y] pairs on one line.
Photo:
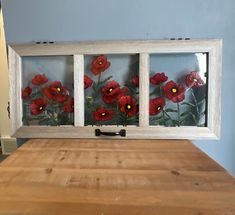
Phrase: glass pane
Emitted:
{"points": [[111, 89], [47, 92], [178, 89]]}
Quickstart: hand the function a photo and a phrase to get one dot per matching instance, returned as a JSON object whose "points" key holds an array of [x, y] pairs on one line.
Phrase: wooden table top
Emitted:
{"points": [[113, 177]]}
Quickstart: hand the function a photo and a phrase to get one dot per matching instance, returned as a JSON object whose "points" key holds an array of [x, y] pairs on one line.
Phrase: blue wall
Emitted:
{"points": [[76, 20]]}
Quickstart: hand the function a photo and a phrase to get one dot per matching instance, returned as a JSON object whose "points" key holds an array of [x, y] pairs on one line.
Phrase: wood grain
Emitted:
{"points": [[214, 89], [151, 132], [68, 176], [15, 87], [116, 47], [144, 90], [79, 90]]}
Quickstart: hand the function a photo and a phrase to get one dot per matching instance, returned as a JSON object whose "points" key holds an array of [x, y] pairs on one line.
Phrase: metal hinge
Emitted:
{"points": [[8, 110]]}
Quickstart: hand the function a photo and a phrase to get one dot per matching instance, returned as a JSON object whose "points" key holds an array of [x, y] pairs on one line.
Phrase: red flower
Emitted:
{"points": [[39, 79], [38, 106], [26, 92], [156, 105], [194, 80], [103, 114], [128, 105], [69, 106], [56, 92], [87, 82], [100, 64], [174, 92], [158, 78], [135, 80], [112, 92]]}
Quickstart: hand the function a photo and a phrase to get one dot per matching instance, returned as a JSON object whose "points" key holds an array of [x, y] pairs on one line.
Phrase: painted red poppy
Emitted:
{"points": [[69, 106], [112, 92], [38, 106], [39, 79], [128, 106], [99, 64], [193, 80], [55, 91], [26, 92], [135, 80], [158, 78], [174, 91], [87, 81], [103, 114], [156, 105]]}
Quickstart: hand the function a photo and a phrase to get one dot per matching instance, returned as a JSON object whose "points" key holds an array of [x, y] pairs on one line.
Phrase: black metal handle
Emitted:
{"points": [[121, 133]]}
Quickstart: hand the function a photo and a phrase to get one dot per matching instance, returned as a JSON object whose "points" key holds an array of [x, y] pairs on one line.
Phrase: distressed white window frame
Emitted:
{"points": [[144, 49]]}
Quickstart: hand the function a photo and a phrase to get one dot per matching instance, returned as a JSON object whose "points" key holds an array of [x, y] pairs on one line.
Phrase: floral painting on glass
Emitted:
{"points": [[47, 93], [178, 89], [111, 90]]}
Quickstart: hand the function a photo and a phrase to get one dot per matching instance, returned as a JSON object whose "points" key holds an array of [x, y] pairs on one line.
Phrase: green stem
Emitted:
{"points": [[160, 89], [167, 114], [163, 116], [196, 105], [117, 115], [98, 83], [125, 122], [95, 93], [178, 110], [163, 112]]}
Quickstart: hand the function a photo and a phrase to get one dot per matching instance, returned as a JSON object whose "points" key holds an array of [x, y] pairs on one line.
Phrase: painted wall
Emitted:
{"points": [[76, 20]]}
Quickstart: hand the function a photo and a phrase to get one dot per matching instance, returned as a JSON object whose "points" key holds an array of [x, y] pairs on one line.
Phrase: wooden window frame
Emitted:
{"points": [[144, 49]]}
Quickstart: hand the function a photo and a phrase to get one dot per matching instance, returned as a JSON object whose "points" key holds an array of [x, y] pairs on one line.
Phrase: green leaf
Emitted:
{"points": [[94, 87], [167, 119], [30, 118], [188, 103], [175, 122], [202, 114], [185, 113], [44, 121], [131, 118], [202, 101], [194, 117], [106, 79], [170, 110], [156, 118], [201, 125]]}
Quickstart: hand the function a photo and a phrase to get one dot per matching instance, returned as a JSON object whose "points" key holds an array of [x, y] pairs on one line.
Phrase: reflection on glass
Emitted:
{"points": [[47, 93], [178, 89], [111, 89]]}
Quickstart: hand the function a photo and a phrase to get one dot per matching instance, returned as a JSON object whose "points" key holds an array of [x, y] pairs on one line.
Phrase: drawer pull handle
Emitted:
{"points": [[121, 133]]}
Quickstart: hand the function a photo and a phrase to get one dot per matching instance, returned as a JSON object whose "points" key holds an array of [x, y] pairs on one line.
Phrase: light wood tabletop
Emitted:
{"points": [[113, 177]]}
